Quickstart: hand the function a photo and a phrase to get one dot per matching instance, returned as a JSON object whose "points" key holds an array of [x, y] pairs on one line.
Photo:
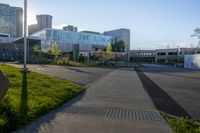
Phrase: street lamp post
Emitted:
{"points": [[25, 36]]}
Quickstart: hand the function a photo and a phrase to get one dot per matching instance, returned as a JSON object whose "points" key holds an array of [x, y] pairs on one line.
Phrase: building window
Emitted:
{"points": [[162, 53]]}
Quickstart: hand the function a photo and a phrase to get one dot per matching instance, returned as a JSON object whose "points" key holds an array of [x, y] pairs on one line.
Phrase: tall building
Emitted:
{"points": [[11, 20], [121, 35], [43, 21]]}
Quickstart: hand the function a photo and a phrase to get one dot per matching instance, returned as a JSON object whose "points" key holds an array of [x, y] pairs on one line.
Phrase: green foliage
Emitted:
{"points": [[109, 50], [61, 62], [54, 49], [181, 59], [81, 58], [43, 94], [182, 125], [36, 50]]}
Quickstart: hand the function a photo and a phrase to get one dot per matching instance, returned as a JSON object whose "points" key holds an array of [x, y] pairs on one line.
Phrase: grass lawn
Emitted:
{"points": [[31, 96], [182, 125]]}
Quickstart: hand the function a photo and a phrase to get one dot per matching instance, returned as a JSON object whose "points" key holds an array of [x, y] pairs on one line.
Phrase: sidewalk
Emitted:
{"points": [[115, 104]]}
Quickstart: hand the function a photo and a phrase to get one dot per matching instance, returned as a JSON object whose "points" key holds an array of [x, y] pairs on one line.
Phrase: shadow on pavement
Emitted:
{"points": [[78, 70], [160, 98]]}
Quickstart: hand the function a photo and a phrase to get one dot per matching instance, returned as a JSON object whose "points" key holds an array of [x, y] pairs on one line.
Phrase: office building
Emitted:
{"points": [[142, 56], [70, 28], [171, 56], [43, 21], [121, 35], [5, 38], [11, 20], [69, 41]]}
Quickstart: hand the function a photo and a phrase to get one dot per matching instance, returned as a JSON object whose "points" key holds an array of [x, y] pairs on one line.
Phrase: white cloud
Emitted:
{"points": [[183, 44]]}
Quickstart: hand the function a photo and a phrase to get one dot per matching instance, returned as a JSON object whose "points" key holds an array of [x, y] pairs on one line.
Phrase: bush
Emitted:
{"points": [[61, 62], [183, 124]]}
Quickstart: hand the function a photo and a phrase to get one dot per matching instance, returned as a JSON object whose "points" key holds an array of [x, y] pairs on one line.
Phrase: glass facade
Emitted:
{"points": [[67, 39], [11, 20]]}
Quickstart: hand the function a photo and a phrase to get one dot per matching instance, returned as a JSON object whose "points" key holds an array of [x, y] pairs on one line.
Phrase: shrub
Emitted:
{"points": [[183, 124]]}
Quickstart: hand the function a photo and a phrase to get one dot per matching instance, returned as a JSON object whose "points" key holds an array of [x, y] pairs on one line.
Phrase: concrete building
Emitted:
{"points": [[43, 21], [70, 28], [171, 55], [142, 56], [11, 20]]}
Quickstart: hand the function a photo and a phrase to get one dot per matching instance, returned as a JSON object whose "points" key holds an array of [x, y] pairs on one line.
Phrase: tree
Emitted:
{"points": [[36, 50], [109, 50], [54, 50], [197, 34]]}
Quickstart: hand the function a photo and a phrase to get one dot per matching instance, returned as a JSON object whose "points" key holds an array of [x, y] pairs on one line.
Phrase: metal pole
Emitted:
{"points": [[25, 38]]}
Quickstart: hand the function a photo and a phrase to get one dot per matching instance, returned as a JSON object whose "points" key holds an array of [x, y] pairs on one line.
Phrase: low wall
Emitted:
{"points": [[192, 61]]}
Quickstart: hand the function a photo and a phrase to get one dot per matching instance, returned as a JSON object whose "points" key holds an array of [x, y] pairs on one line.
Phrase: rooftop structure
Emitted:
{"points": [[70, 28]]}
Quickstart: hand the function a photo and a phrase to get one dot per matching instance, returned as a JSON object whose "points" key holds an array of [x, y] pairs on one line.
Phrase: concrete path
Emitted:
{"points": [[80, 75], [116, 103]]}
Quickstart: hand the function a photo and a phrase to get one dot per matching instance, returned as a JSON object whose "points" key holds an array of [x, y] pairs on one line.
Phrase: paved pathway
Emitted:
{"points": [[80, 75], [116, 103]]}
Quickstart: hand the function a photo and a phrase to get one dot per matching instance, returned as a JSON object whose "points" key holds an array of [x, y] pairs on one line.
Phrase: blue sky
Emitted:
{"points": [[153, 23]]}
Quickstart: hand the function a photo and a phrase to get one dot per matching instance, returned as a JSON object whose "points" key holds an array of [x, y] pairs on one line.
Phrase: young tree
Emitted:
{"points": [[36, 50], [54, 50], [109, 50]]}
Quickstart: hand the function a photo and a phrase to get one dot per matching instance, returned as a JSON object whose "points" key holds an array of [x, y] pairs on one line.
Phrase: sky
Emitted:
{"points": [[154, 24]]}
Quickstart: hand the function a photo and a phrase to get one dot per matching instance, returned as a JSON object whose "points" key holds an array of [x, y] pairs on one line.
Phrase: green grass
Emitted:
{"points": [[182, 125], [43, 94]]}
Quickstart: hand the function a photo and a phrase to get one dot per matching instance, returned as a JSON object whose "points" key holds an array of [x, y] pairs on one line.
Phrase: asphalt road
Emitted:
{"points": [[173, 90]]}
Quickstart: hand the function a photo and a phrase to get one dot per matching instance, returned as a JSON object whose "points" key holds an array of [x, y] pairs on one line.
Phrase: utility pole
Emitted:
{"points": [[25, 36]]}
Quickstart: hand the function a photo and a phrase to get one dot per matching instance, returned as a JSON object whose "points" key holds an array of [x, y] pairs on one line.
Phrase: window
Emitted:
{"points": [[162, 53]]}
